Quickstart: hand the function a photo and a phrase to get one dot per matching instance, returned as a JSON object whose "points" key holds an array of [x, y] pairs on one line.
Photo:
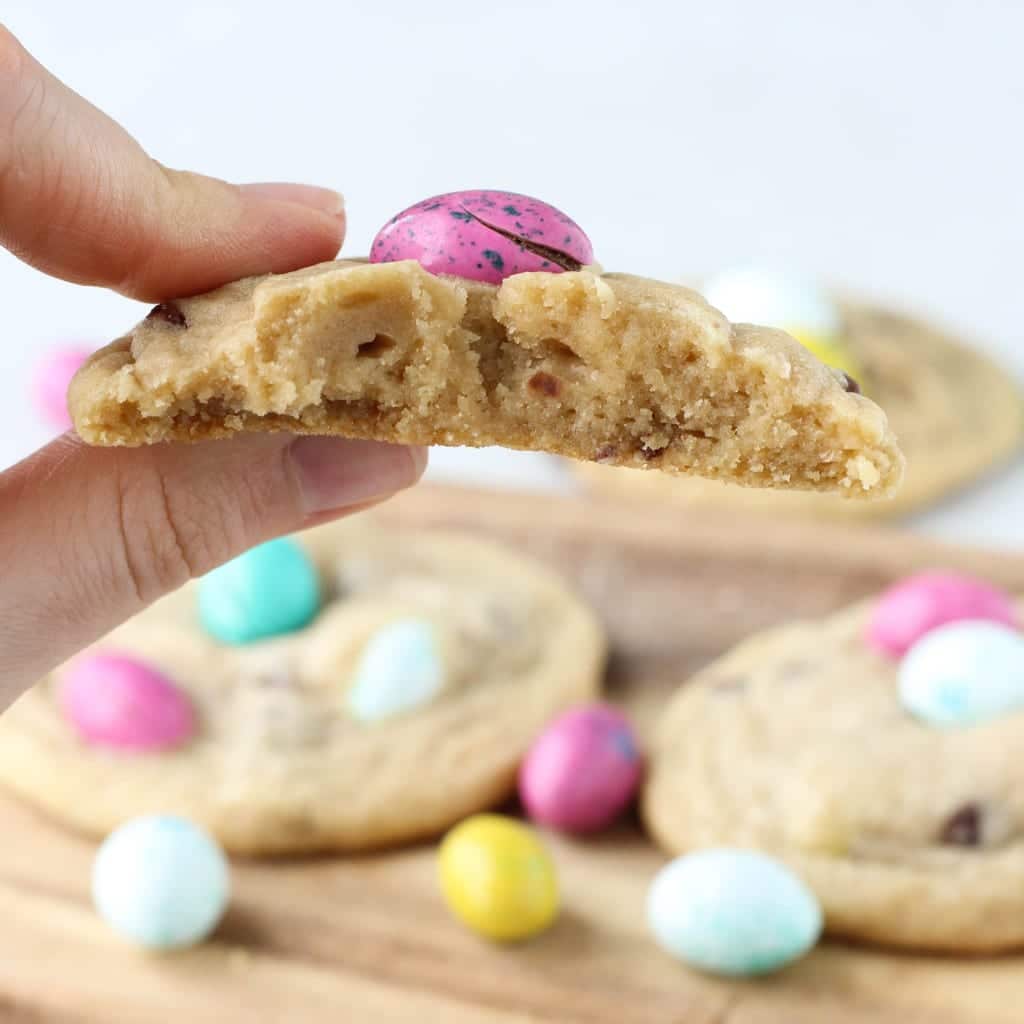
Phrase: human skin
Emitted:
{"points": [[90, 536]]}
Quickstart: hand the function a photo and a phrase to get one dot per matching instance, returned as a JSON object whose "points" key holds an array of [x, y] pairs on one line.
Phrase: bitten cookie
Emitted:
{"points": [[604, 367], [353, 688], [955, 413], [892, 787]]}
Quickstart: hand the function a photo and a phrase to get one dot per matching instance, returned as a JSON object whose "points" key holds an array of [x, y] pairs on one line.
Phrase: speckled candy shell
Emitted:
{"points": [[455, 234]]}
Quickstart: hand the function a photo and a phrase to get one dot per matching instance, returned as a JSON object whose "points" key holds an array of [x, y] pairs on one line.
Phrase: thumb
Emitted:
{"points": [[90, 536], [80, 199]]}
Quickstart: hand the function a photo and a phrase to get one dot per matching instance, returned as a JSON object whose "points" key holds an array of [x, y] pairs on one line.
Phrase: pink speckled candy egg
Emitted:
{"points": [[918, 604], [50, 383], [582, 770], [483, 235], [114, 700]]}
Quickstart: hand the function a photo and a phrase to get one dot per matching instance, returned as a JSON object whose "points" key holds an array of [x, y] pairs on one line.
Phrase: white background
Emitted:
{"points": [[877, 142]]}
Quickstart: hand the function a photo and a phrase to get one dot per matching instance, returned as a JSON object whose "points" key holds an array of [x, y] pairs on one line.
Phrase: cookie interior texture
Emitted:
{"points": [[604, 367], [955, 413], [279, 764], [796, 743]]}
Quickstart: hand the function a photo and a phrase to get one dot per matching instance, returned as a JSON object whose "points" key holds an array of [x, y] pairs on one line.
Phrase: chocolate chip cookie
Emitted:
{"points": [[605, 367], [796, 744], [405, 703]]}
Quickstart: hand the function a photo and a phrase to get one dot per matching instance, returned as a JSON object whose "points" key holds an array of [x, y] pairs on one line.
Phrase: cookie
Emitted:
{"points": [[606, 367], [797, 744], [292, 750], [955, 413]]}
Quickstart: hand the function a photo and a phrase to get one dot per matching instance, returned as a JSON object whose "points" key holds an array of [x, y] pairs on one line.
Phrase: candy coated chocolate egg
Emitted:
{"points": [[400, 669], [497, 878], [50, 383], [271, 589], [964, 673], [582, 770], [115, 700], [483, 235], [918, 604], [732, 912], [160, 881], [785, 300]]}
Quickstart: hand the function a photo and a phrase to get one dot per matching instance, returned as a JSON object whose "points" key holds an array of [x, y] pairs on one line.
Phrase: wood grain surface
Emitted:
{"points": [[367, 939]]}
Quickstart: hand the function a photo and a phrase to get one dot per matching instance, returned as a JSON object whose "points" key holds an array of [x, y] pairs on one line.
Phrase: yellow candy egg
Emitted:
{"points": [[497, 878], [829, 350]]}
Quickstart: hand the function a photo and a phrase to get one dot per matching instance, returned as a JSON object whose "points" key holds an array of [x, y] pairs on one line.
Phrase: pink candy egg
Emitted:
{"points": [[50, 384], [921, 603], [114, 700], [582, 770], [483, 235]]}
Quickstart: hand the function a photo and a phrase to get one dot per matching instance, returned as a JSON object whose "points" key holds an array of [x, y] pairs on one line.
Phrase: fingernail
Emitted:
{"points": [[336, 472], [313, 196]]}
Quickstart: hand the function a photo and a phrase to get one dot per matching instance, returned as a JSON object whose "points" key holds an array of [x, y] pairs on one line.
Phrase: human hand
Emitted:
{"points": [[89, 536]]}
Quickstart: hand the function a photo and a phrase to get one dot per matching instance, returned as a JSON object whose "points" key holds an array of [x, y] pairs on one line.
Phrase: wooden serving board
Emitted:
{"points": [[368, 940]]}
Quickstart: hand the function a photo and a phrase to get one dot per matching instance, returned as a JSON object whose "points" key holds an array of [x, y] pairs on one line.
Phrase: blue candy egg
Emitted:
{"points": [[399, 670], [732, 912], [964, 673], [161, 882], [780, 299], [271, 589]]}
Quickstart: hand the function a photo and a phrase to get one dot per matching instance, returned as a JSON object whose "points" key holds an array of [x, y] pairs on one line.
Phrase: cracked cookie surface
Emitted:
{"points": [[279, 762], [605, 367], [796, 743]]}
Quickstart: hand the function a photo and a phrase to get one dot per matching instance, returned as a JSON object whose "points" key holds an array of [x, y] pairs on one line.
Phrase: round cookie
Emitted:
{"points": [[954, 412], [285, 757], [796, 744]]}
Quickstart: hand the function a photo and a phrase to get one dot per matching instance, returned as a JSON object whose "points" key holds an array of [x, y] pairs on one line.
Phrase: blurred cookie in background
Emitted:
{"points": [[955, 412], [874, 752], [354, 687]]}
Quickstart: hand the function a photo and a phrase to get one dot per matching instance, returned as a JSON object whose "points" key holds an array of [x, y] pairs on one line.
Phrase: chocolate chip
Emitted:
{"points": [[963, 827], [605, 452], [545, 383], [168, 313], [651, 453], [849, 384]]}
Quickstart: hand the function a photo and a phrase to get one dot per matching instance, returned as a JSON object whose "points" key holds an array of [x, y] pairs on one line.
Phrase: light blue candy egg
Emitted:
{"points": [[399, 670], [733, 912], [964, 673], [161, 882], [271, 589], [785, 300]]}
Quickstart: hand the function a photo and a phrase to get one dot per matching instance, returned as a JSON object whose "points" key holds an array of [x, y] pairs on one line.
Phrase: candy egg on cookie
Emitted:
{"points": [[483, 235], [925, 601], [270, 589], [160, 881], [732, 912], [582, 771], [964, 673], [399, 670], [497, 878], [117, 700]]}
